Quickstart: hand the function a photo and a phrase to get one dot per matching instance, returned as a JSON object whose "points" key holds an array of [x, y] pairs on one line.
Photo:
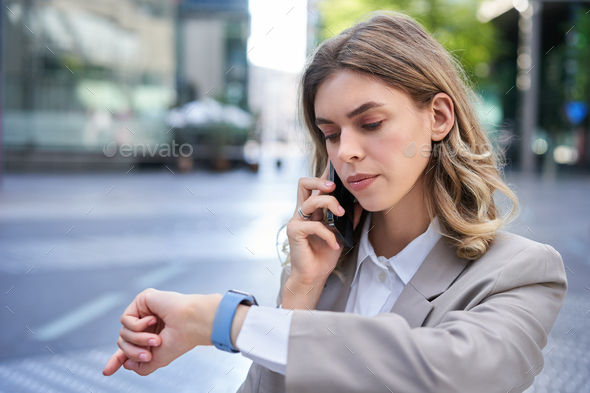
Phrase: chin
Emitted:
{"points": [[376, 205], [369, 206]]}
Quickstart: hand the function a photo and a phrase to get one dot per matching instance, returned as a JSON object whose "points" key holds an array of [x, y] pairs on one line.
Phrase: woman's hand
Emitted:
{"points": [[160, 326], [313, 247]]}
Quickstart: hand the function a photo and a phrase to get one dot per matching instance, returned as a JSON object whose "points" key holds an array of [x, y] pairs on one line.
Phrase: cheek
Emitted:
{"points": [[390, 148], [415, 131], [400, 156], [415, 142], [404, 133]]}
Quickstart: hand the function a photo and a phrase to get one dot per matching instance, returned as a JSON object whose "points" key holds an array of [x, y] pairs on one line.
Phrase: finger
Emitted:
{"points": [[306, 187], [140, 368], [138, 316], [141, 339], [324, 177], [320, 201], [131, 365], [114, 363], [134, 352], [302, 229], [133, 323]]}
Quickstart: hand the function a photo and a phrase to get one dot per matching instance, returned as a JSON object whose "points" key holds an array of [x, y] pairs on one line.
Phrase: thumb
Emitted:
{"points": [[154, 303], [358, 211]]}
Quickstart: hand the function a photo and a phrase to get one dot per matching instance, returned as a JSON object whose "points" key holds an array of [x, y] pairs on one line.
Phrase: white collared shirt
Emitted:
{"points": [[376, 285]]}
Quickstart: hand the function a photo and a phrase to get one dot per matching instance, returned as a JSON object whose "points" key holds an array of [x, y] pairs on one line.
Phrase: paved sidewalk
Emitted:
{"points": [[70, 242]]}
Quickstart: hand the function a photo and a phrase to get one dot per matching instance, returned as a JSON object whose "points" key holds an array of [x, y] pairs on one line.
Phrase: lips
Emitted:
{"points": [[362, 184], [359, 177]]}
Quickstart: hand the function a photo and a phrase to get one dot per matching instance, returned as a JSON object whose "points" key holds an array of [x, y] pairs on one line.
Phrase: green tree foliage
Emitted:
{"points": [[579, 43]]}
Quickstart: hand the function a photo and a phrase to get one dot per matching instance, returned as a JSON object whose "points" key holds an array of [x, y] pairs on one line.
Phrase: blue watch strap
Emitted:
{"points": [[224, 318]]}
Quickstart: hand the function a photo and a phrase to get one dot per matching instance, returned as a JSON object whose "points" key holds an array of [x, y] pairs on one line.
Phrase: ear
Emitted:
{"points": [[441, 116]]}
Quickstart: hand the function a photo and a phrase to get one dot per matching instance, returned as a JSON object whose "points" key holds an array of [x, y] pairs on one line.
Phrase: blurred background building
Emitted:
{"points": [[211, 39], [77, 76], [548, 48]]}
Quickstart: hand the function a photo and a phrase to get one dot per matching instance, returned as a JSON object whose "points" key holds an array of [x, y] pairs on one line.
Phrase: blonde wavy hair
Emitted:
{"points": [[464, 170]]}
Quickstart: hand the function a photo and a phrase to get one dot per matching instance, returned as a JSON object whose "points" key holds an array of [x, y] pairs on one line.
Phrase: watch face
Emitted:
{"points": [[246, 301], [240, 292]]}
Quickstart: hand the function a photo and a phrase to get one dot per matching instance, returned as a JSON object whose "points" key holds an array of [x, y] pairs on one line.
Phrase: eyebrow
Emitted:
{"points": [[361, 109]]}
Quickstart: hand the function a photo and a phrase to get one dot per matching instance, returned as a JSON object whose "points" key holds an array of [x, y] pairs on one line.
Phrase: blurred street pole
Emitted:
{"points": [[527, 81]]}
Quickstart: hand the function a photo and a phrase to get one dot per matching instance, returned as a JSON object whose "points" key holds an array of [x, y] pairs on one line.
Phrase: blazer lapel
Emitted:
{"points": [[437, 272]]}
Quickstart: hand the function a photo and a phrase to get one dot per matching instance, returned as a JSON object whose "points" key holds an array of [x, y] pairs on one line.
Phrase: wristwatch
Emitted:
{"points": [[224, 318]]}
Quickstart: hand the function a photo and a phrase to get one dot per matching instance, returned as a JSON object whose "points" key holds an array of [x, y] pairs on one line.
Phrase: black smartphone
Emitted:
{"points": [[343, 226]]}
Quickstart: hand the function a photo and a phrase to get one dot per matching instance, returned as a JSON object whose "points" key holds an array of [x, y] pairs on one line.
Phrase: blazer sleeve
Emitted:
{"points": [[261, 379], [496, 346]]}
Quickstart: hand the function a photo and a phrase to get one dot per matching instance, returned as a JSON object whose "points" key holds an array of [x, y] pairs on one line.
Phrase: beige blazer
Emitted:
{"points": [[457, 326]]}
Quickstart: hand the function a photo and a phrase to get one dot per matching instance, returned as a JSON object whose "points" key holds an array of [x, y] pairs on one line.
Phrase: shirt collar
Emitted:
{"points": [[408, 260]]}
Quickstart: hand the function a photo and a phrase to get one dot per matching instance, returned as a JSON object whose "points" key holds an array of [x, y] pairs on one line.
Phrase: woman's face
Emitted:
{"points": [[389, 137]]}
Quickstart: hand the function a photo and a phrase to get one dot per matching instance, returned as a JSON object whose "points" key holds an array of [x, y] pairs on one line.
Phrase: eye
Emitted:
{"points": [[370, 126], [373, 126]]}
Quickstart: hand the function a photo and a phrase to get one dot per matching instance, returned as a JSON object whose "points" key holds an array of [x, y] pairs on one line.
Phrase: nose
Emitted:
{"points": [[350, 145]]}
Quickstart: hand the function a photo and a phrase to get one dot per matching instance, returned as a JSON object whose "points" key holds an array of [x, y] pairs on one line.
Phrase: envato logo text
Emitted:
{"points": [[163, 150]]}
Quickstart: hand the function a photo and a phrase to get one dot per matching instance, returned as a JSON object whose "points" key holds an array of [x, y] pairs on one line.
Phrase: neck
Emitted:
{"points": [[395, 228]]}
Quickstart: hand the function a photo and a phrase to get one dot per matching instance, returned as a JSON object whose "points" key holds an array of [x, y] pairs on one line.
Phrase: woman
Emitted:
{"points": [[433, 296]]}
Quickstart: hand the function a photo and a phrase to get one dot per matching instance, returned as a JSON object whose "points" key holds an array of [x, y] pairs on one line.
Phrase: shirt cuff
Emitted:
{"points": [[264, 337]]}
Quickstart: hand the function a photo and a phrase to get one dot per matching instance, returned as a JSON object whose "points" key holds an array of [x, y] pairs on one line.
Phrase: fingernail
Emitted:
{"points": [[152, 322], [340, 209], [329, 184], [152, 342], [337, 245], [143, 357]]}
